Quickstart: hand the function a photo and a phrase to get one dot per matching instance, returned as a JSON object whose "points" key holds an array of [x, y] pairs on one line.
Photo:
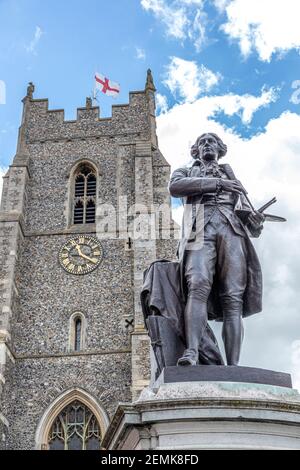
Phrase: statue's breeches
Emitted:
{"points": [[223, 253]]}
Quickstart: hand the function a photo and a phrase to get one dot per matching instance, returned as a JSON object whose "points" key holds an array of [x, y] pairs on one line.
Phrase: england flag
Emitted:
{"points": [[106, 86]]}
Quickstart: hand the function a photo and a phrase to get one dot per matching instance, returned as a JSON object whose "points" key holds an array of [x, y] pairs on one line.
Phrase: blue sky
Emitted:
{"points": [[229, 66], [59, 45]]}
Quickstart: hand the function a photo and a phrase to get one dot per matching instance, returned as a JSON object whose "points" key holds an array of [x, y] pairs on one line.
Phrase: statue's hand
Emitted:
{"points": [[255, 223], [256, 219], [232, 186]]}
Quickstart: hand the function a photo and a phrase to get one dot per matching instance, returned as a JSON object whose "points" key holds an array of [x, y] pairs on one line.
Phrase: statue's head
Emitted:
{"points": [[209, 147]]}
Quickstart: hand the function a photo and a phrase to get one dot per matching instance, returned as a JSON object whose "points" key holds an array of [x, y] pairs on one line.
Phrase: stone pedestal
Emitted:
{"points": [[201, 414]]}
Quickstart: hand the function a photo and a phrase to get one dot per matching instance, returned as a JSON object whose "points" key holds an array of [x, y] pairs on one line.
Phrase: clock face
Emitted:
{"points": [[81, 254]]}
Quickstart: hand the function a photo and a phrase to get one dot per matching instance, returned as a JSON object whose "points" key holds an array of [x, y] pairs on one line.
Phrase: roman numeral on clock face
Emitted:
{"points": [[71, 267], [81, 255]]}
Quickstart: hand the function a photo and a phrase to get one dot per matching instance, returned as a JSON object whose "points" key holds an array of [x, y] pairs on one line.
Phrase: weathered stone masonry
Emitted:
{"points": [[37, 297]]}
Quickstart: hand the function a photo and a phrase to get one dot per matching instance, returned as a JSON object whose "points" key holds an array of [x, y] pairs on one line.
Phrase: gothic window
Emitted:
{"points": [[85, 184], [77, 342], [75, 428], [77, 335]]}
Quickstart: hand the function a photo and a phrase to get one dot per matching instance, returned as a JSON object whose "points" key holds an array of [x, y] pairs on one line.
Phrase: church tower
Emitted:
{"points": [[72, 337]]}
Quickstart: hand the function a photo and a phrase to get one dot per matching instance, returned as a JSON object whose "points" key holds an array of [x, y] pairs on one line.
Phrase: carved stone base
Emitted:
{"points": [[207, 415]]}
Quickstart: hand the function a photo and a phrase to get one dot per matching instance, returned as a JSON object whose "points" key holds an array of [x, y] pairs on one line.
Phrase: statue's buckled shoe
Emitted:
{"points": [[188, 359]]}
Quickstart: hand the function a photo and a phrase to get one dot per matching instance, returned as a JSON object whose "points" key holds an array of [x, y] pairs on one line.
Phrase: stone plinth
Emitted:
{"points": [[208, 415], [223, 374]]}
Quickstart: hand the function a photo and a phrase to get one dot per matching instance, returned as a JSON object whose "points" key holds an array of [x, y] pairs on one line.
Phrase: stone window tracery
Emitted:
{"points": [[75, 428], [85, 187]]}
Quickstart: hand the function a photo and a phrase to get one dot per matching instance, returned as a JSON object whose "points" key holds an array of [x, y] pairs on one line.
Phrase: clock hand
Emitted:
{"points": [[83, 255]]}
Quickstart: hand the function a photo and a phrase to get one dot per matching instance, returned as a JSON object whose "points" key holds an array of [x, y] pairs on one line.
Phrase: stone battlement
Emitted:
{"points": [[50, 124]]}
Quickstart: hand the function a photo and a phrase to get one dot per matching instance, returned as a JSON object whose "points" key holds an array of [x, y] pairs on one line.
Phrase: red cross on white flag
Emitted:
{"points": [[106, 86]]}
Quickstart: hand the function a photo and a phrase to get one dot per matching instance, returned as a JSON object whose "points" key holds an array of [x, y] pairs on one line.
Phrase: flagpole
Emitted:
{"points": [[95, 92], [94, 96]]}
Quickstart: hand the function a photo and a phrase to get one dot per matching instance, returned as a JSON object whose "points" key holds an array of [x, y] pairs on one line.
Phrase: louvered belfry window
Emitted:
{"points": [[85, 195]]}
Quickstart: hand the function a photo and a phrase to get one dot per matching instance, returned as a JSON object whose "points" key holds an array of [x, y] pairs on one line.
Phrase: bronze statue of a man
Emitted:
{"points": [[222, 279]]}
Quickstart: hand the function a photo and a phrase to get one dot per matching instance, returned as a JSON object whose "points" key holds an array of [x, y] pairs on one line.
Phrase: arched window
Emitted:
{"points": [[75, 428], [77, 342], [77, 335], [85, 188], [77, 408]]}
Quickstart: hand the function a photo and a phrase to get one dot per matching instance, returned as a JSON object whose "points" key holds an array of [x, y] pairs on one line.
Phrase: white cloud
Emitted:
{"points": [[174, 18], [35, 40], [244, 105], [140, 53], [197, 32], [192, 2], [182, 18], [188, 80], [161, 103], [268, 164], [262, 26], [258, 25], [221, 4], [295, 98]]}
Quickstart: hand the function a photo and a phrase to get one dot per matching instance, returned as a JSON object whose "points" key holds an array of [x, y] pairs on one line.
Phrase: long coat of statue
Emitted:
{"points": [[185, 181]]}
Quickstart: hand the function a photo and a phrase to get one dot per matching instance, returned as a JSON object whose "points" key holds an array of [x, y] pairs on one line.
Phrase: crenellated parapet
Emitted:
{"points": [[46, 124]]}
